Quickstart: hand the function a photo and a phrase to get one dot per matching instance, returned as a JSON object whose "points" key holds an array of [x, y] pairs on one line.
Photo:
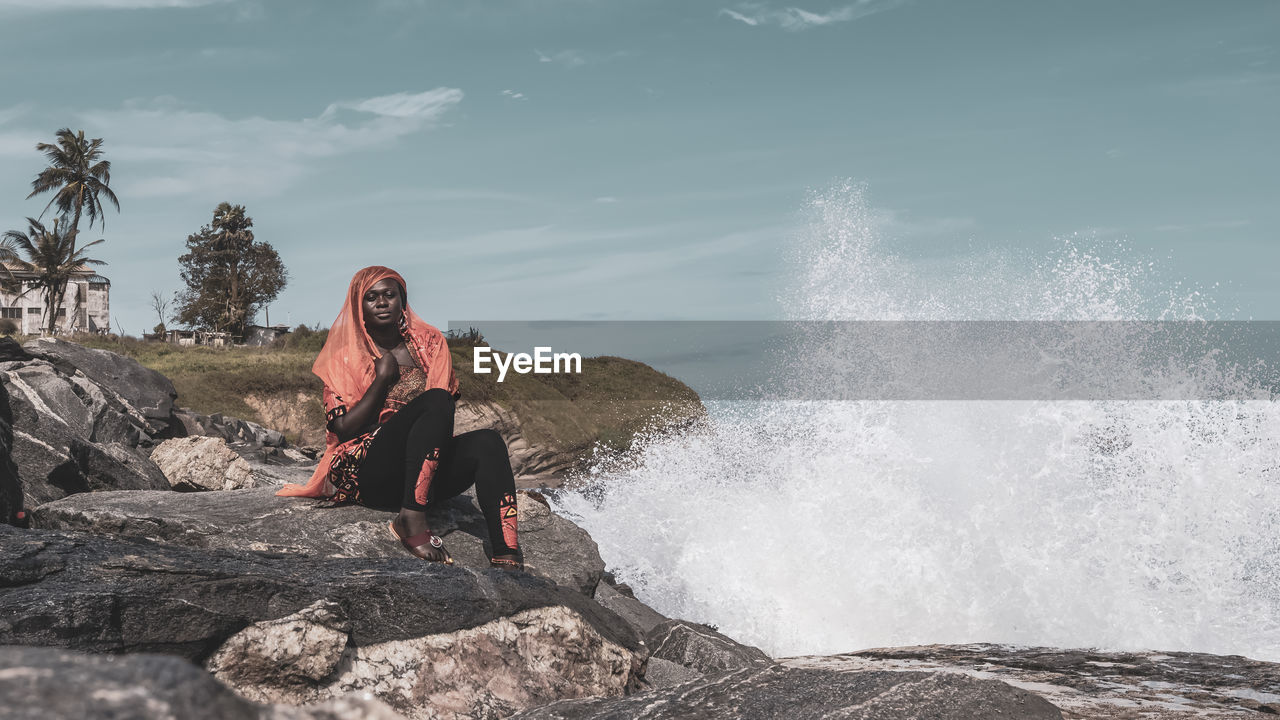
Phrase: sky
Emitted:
{"points": [[648, 160]]}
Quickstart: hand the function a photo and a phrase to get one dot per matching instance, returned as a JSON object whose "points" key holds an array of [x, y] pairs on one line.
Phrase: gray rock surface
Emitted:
{"points": [[52, 684], [783, 692], [701, 648], [71, 435], [258, 520], [1092, 683], [143, 388], [409, 631], [202, 463], [246, 434], [11, 506], [641, 617]]}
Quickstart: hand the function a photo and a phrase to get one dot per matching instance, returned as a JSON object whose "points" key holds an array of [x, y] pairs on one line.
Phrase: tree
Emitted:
{"points": [[229, 276], [159, 303], [78, 177], [52, 255]]}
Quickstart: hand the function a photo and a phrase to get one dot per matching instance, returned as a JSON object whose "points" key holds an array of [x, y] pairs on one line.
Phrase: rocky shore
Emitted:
{"points": [[147, 570]]}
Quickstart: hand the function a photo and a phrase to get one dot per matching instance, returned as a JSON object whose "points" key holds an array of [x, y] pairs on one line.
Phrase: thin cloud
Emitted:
{"points": [[796, 19], [425, 105], [567, 58], [48, 5], [513, 94], [607, 199], [175, 151]]}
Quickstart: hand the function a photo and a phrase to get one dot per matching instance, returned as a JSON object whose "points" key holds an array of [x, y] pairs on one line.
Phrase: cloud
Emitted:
{"points": [[514, 95], [176, 151], [795, 19], [426, 105], [567, 58], [47, 5]]}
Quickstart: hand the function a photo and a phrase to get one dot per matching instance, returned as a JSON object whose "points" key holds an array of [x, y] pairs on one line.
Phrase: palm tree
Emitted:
{"points": [[77, 176], [52, 256]]}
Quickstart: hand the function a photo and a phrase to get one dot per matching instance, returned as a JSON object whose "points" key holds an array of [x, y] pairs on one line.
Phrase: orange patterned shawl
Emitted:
{"points": [[345, 364]]}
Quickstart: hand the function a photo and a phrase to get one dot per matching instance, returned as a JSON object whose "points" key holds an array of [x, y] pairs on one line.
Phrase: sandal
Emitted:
{"points": [[506, 563], [421, 540]]}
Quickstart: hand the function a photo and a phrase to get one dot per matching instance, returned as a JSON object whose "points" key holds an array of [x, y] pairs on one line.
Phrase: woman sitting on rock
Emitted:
{"points": [[389, 393]]}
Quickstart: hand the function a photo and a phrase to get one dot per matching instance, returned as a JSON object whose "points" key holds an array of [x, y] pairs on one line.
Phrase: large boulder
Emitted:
{"points": [[778, 691], [432, 641], [143, 388], [259, 520], [52, 684], [70, 435], [202, 463]]}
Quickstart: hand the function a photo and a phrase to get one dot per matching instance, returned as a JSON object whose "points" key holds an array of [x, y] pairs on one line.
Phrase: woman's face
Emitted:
{"points": [[382, 305]]}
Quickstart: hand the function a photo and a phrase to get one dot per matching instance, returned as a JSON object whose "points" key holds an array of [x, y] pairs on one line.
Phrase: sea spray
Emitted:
{"points": [[829, 526]]}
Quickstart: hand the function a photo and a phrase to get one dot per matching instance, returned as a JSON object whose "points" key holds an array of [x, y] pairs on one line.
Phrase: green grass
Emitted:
{"points": [[608, 402]]}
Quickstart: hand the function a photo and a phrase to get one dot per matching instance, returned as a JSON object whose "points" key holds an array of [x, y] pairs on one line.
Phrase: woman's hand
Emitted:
{"points": [[387, 369]]}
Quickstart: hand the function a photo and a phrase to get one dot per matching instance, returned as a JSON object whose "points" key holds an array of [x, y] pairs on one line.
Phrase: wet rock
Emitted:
{"points": [[410, 632], [202, 463], [783, 692], [258, 520], [35, 684], [702, 648], [145, 389]]}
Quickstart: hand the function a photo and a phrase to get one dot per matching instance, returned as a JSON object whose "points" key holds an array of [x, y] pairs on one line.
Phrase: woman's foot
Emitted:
{"points": [[411, 529], [507, 562]]}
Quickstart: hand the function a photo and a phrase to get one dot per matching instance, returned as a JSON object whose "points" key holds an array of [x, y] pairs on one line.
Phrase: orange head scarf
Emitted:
{"points": [[345, 363]]}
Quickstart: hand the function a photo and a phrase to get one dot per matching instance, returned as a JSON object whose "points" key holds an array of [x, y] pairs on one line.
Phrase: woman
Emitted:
{"points": [[389, 393]]}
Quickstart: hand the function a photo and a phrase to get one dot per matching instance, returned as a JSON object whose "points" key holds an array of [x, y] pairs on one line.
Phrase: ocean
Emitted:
{"points": [[828, 516]]}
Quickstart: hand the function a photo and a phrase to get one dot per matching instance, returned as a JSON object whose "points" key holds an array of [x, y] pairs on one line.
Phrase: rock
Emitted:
{"points": [[639, 616], [701, 648], [1095, 684], [43, 396], [71, 436], [143, 388], [36, 681], [258, 520], [410, 632], [11, 351], [663, 673], [532, 465], [783, 692], [10, 484], [202, 463], [60, 464]]}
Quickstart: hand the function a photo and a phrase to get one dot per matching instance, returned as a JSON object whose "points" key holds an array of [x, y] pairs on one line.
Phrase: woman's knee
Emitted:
{"points": [[437, 396], [482, 443]]}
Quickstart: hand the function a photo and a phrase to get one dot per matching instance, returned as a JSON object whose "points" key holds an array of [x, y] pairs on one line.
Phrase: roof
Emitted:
{"points": [[80, 272]]}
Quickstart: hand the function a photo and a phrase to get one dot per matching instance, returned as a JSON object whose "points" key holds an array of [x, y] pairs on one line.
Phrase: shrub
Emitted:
{"points": [[8, 326]]}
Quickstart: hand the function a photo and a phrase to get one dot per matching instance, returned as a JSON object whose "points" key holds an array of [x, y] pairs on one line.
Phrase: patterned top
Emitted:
{"points": [[412, 383], [342, 473]]}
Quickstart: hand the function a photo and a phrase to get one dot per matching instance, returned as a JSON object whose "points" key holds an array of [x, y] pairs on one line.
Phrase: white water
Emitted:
{"points": [[823, 527]]}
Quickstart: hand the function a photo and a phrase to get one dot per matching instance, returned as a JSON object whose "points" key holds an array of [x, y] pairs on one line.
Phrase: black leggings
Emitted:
{"points": [[416, 454]]}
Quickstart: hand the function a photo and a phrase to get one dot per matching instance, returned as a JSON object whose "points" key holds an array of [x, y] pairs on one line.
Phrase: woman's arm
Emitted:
{"points": [[365, 412]]}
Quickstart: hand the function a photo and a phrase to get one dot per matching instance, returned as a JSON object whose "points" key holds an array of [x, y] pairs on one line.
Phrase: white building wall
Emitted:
{"points": [[86, 307]]}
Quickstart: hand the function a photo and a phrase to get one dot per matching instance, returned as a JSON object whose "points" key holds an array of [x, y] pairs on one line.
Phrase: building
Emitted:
{"points": [[262, 335], [86, 306]]}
